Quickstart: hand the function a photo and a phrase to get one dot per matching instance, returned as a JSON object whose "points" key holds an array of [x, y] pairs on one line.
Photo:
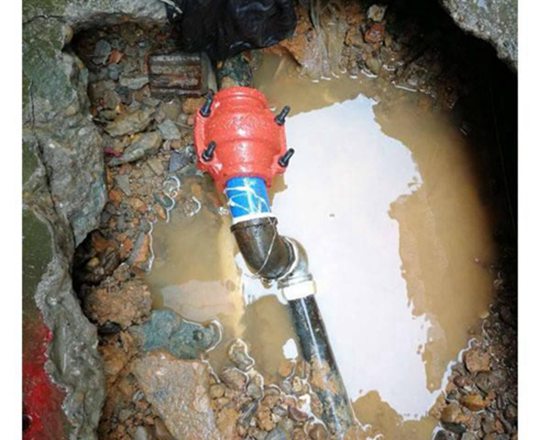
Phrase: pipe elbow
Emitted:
{"points": [[298, 282], [266, 253], [274, 257]]}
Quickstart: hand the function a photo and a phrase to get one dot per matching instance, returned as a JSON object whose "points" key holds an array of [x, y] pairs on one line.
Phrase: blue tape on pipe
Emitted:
{"points": [[247, 198]]}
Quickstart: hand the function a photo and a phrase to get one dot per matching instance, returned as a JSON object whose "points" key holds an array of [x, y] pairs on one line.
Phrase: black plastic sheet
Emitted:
{"points": [[224, 28]]}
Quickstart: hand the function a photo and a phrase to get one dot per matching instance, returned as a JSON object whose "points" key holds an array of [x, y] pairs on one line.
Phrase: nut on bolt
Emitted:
{"points": [[207, 106], [285, 158], [208, 153], [280, 118]]}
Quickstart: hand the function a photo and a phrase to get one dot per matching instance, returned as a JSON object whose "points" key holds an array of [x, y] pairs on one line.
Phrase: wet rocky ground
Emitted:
{"points": [[154, 360]]}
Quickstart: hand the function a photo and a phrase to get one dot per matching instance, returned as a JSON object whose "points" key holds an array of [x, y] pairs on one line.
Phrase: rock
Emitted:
{"points": [[123, 182], [161, 431], [511, 412], [116, 352], [156, 166], [226, 420], [141, 434], [444, 435], [468, 436], [114, 71], [376, 12], [454, 419], [56, 119], [477, 360], [495, 22], [286, 368], [178, 390], [248, 411], [234, 378], [125, 304], [168, 331], [169, 130], [129, 123], [216, 391], [138, 204], [255, 388], [238, 353], [375, 34], [496, 436], [102, 94], [115, 56], [373, 65], [102, 51], [134, 83], [474, 402], [178, 159], [318, 432], [487, 381], [265, 418], [298, 385], [277, 434], [140, 258], [171, 109], [463, 381], [144, 145], [299, 434], [257, 434], [192, 105], [297, 415], [272, 397]]}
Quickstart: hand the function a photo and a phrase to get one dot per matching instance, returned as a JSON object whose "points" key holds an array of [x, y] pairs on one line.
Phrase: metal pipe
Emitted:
{"points": [[274, 257], [266, 253], [251, 149], [326, 380]]}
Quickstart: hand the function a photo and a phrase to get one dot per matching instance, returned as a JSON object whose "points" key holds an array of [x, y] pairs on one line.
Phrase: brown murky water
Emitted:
{"points": [[384, 195]]}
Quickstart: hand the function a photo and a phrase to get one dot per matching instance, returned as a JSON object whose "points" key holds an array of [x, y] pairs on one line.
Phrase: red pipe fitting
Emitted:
{"points": [[236, 135]]}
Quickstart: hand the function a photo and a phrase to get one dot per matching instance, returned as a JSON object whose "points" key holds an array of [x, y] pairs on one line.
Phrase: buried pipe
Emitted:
{"points": [[242, 145]]}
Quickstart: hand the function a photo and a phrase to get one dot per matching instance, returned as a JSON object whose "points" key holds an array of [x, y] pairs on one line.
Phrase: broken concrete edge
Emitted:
{"points": [[71, 358], [64, 190], [495, 22], [85, 13]]}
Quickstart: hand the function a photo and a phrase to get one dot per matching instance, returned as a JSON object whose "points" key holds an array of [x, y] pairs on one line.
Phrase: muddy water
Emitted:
{"points": [[383, 194]]}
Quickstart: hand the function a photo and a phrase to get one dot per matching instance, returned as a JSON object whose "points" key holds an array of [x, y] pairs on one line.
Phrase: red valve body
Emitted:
{"points": [[248, 141]]}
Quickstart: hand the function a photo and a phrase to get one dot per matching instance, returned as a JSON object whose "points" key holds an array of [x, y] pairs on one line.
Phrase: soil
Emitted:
{"points": [[146, 141]]}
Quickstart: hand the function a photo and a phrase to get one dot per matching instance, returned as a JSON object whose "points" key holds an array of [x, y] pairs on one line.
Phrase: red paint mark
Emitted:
{"points": [[42, 399]]}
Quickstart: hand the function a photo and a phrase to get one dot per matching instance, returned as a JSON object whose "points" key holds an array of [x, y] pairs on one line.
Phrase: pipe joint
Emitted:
{"points": [[297, 282]]}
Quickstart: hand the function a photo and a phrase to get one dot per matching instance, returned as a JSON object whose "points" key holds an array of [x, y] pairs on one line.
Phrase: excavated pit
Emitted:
{"points": [[163, 243]]}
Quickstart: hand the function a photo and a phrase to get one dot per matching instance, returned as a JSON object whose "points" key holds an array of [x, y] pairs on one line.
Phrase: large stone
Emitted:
{"points": [[493, 21], [144, 145], [168, 331], [178, 390], [95, 12], [130, 123], [56, 117]]}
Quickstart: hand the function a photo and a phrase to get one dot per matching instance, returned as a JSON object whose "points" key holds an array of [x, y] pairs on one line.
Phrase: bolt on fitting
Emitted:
{"points": [[281, 117], [208, 154], [285, 158], [206, 108]]}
